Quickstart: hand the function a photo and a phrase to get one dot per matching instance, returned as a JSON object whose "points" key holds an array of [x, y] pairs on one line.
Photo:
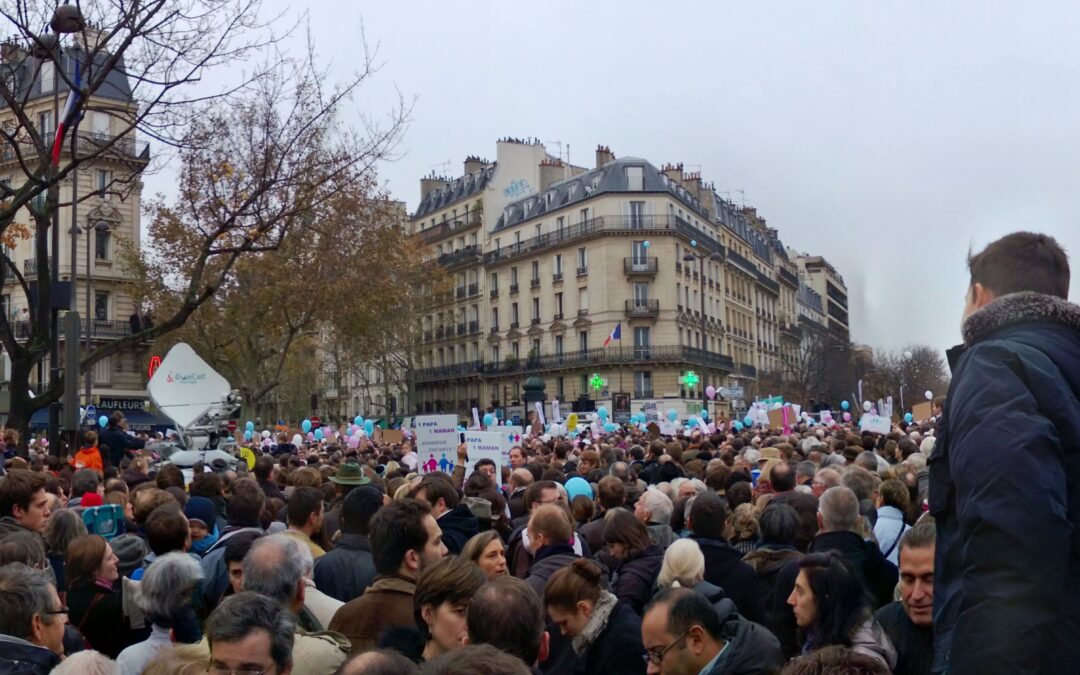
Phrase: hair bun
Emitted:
{"points": [[587, 569]]}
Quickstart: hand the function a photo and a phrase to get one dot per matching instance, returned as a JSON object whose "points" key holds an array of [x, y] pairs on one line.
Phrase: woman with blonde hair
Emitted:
{"points": [[745, 529], [684, 567]]}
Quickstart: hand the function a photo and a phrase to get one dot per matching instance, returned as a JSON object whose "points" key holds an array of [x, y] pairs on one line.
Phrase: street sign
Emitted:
{"points": [[231, 424], [91, 412], [316, 422], [731, 392]]}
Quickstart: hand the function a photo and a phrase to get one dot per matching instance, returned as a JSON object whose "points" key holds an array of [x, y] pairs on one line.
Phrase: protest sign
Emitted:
{"points": [[486, 445], [437, 439], [392, 436], [922, 411], [876, 424]]}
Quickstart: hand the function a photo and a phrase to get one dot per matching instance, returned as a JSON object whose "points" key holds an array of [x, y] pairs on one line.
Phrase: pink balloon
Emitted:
{"points": [[710, 391], [847, 417], [354, 442], [353, 429], [712, 427]]}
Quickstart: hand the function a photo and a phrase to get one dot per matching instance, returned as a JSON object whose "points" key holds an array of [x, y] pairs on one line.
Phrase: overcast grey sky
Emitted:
{"points": [[888, 137]]}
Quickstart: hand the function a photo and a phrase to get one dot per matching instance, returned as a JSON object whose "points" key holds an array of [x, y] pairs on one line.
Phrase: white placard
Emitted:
{"points": [[487, 445], [652, 412], [476, 419], [437, 440], [875, 424], [555, 415], [540, 412]]}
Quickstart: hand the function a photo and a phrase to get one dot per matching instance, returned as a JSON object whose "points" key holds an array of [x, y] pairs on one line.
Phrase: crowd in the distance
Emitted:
{"points": [[737, 552]]}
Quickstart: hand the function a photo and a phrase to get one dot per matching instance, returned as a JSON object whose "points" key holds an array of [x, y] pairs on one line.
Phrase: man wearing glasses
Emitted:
{"points": [[31, 621], [685, 634], [250, 634]]}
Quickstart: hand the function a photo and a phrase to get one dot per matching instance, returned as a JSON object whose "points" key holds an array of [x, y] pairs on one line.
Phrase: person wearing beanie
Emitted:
{"points": [[130, 549], [202, 518]]}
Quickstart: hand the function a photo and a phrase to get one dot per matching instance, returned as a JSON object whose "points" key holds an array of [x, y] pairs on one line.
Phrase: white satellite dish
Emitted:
{"points": [[184, 387]]}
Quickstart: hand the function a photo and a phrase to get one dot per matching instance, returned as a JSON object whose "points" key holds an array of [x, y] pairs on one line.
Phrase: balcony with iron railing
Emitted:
{"points": [[603, 225], [534, 282], [583, 271], [469, 255], [473, 290], [643, 308], [89, 144], [100, 328], [433, 234], [494, 293], [556, 277], [513, 288], [640, 266], [474, 327]]}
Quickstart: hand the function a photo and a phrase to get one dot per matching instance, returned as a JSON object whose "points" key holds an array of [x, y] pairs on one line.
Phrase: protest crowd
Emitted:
{"points": [[810, 546]]}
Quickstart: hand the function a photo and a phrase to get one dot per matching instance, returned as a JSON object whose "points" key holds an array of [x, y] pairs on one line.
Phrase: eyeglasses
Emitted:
{"points": [[656, 656]]}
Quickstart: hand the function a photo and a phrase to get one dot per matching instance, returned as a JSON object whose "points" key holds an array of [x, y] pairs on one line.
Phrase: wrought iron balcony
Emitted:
{"points": [[643, 308], [634, 266]]}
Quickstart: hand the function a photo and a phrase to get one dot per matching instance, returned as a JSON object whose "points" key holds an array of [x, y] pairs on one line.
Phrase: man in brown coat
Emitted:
{"points": [[404, 540]]}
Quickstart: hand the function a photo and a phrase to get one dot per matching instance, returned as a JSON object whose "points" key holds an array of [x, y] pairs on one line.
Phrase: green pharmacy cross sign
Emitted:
{"points": [[596, 382], [691, 379]]}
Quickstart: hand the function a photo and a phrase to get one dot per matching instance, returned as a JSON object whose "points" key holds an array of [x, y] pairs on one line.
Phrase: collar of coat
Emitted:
{"points": [[1018, 308], [597, 622]]}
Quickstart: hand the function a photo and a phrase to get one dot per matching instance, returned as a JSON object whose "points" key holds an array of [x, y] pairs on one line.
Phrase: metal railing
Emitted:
{"points": [[470, 255], [89, 144], [638, 265], [643, 307], [442, 229]]}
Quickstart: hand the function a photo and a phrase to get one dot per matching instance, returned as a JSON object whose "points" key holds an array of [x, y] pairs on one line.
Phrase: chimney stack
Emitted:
{"points": [[473, 164], [604, 155], [674, 172], [429, 183]]}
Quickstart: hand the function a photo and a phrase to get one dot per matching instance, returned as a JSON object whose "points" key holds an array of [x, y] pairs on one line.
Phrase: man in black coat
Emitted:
{"points": [[345, 572], [724, 566], [1005, 471], [456, 521], [116, 442]]}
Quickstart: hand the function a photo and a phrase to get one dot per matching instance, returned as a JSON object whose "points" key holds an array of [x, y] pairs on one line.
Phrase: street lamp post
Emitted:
{"points": [[66, 19], [691, 256]]}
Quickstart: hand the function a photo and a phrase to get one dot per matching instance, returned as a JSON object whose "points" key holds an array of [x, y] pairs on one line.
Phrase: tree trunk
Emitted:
{"points": [[22, 406]]}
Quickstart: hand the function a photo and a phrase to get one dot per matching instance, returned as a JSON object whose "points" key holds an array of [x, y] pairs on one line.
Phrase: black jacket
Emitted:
{"points": [[99, 615], [549, 560], [914, 644], [751, 648], [115, 443], [345, 572], [633, 579], [878, 574], [1005, 492], [768, 563], [725, 568], [458, 525], [618, 649], [19, 657]]}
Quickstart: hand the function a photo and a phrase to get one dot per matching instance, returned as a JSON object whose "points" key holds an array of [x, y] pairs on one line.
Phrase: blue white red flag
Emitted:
{"points": [[66, 116], [615, 334]]}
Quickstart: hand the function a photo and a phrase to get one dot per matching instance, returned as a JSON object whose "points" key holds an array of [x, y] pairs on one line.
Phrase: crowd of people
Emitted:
{"points": [[947, 545], [624, 552]]}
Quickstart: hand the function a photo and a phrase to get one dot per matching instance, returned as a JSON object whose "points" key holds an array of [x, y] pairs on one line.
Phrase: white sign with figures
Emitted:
{"points": [[437, 439], [875, 424], [486, 445]]}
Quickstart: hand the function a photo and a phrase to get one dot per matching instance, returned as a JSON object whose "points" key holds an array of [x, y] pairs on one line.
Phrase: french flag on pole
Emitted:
{"points": [[66, 116], [615, 334]]}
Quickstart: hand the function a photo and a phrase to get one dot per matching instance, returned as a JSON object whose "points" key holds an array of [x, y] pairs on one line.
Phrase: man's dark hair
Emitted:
{"points": [[708, 515], [238, 545], [169, 476], [474, 660], [782, 477], [484, 462], [84, 481], [18, 488], [835, 659], [611, 492], [435, 487], [779, 525], [360, 505], [166, 529], [920, 535], [506, 613], [395, 530], [377, 662], [304, 502], [246, 503], [534, 492], [244, 613], [1022, 261], [206, 485], [264, 466], [686, 609]]}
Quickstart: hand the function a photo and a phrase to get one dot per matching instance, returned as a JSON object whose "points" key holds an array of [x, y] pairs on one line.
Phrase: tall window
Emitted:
{"points": [[102, 179], [45, 125], [583, 340], [637, 214], [583, 299], [558, 305], [582, 259], [639, 253], [495, 318], [641, 343], [641, 292], [514, 313], [513, 276], [536, 309], [643, 384], [494, 281], [536, 270], [635, 178], [558, 264], [101, 305], [48, 76], [101, 244], [515, 349], [559, 345]]}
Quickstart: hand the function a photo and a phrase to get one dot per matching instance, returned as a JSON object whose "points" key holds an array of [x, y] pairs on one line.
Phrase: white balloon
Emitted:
{"points": [[867, 405], [929, 395], [907, 355], [265, 434]]}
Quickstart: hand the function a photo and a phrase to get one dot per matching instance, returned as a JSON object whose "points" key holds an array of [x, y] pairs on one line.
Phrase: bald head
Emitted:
{"points": [[378, 662]]}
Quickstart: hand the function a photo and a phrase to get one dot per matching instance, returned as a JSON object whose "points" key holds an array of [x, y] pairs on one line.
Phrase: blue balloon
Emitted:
{"points": [[369, 427], [908, 417], [602, 413], [704, 413], [358, 420], [738, 426], [845, 405], [489, 420], [306, 426], [250, 426], [748, 421], [459, 427], [672, 415], [103, 421], [318, 434], [247, 435], [610, 427]]}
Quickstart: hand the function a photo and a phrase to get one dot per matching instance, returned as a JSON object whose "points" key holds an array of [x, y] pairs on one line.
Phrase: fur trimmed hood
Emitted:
{"points": [[596, 623], [1018, 308]]}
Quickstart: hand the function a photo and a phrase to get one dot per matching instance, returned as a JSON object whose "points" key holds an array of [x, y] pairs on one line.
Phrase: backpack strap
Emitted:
{"points": [[903, 528]]}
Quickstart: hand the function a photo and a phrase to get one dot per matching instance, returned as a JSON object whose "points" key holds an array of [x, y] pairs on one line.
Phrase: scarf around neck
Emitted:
{"points": [[596, 623]]}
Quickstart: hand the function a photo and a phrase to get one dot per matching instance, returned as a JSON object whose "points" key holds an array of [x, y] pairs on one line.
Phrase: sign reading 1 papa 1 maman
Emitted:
{"points": [[437, 439], [486, 445]]}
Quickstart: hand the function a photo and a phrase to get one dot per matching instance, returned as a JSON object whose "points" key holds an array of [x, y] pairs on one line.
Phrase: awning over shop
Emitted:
{"points": [[138, 420]]}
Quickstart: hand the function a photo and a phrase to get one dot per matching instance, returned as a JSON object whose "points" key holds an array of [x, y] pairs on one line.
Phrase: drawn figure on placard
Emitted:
{"points": [[431, 466], [445, 465]]}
